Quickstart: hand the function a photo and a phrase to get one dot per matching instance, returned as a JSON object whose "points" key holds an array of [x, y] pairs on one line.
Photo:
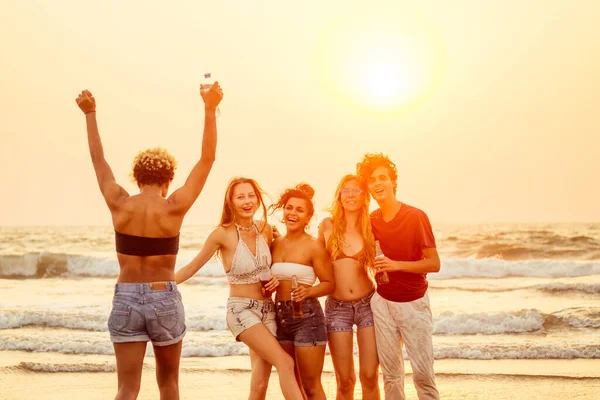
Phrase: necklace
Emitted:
{"points": [[150, 195], [243, 228]]}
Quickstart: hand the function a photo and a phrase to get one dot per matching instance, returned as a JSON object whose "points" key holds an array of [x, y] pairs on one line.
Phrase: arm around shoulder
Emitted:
{"points": [[210, 247], [323, 270]]}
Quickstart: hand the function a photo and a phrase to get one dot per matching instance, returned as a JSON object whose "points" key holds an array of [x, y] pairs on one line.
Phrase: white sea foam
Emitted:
{"points": [[492, 268], [447, 323], [558, 287], [489, 324], [96, 320], [512, 351], [222, 345], [105, 265], [82, 367]]}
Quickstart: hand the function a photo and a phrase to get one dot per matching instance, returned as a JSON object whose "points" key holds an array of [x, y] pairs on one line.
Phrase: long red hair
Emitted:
{"points": [[335, 242], [228, 215]]}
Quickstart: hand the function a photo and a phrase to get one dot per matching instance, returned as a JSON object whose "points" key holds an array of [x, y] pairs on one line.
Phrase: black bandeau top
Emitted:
{"points": [[146, 246]]}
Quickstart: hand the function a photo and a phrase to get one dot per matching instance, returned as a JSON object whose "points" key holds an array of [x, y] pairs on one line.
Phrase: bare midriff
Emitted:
{"points": [[351, 280], [251, 291], [136, 269], [285, 288]]}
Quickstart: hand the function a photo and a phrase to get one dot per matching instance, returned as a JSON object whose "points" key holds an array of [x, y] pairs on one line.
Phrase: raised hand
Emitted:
{"points": [[212, 97], [86, 102]]}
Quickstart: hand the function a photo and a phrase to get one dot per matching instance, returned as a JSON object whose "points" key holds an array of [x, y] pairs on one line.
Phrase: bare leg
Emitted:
{"points": [[130, 360], [261, 372], [167, 370], [310, 363], [340, 347], [291, 350], [259, 339], [369, 363]]}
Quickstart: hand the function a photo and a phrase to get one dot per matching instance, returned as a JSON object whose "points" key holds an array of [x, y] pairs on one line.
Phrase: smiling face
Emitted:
{"points": [[296, 214], [244, 201], [380, 185], [351, 196]]}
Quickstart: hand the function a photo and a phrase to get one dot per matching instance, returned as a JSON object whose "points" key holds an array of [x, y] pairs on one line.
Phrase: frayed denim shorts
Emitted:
{"points": [[341, 316], [244, 312], [143, 312]]}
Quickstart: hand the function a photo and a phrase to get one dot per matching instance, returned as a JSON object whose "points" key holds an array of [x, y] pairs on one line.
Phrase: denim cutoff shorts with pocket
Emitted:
{"points": [[306, 331], [144, 312]]}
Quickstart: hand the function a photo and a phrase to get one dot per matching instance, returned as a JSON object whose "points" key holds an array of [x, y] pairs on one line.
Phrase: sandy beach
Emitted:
{"points": [[227, 378]]}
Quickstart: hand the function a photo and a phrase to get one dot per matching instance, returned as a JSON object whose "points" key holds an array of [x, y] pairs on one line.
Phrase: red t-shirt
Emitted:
{"points": [[403, 239]]}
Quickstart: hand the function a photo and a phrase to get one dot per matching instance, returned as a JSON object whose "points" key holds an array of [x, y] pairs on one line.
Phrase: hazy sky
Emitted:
{"points": [[486, 107]]}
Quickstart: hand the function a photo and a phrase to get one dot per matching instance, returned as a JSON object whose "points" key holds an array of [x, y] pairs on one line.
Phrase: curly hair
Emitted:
{"points": [[153, 167], [227, 216], [369, 163], [335, 242], [300, 191]]}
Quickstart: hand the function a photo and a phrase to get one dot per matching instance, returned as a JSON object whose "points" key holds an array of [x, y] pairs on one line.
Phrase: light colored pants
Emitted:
{"points": [[412, 324]]}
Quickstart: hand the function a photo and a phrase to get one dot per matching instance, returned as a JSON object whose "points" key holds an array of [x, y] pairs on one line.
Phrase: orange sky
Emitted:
{"points": [[490, 118]]}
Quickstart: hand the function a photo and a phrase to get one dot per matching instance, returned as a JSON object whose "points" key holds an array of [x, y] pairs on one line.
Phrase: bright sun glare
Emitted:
{"points": [[379, 62]]}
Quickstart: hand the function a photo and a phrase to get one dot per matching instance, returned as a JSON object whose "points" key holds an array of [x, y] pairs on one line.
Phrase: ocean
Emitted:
{"points": [[504, 292]]}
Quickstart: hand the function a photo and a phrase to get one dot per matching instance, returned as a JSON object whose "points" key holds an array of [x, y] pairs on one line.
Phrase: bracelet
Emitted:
{"points": [[90, 112]]}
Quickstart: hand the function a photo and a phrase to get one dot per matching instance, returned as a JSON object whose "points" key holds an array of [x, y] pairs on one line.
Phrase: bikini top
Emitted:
{"points": [[246, 267], [341, 255], [285, 270], [146, 246]]}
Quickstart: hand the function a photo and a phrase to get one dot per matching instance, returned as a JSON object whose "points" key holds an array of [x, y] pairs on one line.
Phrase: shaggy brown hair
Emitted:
{"points": [[369, 163]]}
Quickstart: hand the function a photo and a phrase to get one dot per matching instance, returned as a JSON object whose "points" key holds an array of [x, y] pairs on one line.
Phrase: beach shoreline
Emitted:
{"points": [[25, 375]]}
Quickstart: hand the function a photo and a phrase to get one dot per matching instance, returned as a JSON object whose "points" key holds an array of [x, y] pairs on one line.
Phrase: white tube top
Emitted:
{"points": [[285, 270]]}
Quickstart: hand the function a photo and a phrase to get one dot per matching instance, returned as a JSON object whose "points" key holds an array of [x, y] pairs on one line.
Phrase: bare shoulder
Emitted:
{"points": [[326, 225], [221, 234], [276, 242], [316, 245]]}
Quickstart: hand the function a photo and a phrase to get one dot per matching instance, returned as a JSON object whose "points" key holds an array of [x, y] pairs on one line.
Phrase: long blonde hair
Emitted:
{"points": [[335, 242], [228, 217]]}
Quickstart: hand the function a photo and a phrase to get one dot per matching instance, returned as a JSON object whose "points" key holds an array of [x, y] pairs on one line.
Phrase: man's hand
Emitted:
{"points": [[384, 264], [212, 97], [86, 102]]}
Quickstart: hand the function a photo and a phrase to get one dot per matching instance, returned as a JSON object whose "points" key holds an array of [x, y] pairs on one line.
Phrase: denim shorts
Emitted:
{"points": [[340, 316], [144, 312], [306, 331], [244, 312]]}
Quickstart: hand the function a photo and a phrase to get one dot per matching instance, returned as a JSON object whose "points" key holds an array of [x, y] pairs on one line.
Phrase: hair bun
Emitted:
{"points": [[306, 189]]}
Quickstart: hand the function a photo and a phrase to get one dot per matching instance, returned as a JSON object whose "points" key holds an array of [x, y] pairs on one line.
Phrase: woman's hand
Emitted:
{"points": [[86, 102], [300, 293], [212, 97], [272, 284]]}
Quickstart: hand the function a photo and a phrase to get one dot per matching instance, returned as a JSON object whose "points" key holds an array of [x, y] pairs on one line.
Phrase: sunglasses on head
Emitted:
{"points": [[349, 191]]}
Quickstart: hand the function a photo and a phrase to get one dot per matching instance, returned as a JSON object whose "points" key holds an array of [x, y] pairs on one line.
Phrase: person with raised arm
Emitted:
{"points": [[147, 305]]}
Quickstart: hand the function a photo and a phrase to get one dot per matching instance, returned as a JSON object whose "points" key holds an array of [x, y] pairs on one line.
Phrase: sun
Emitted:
{"points": [[380, 73], [379, 62]]}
